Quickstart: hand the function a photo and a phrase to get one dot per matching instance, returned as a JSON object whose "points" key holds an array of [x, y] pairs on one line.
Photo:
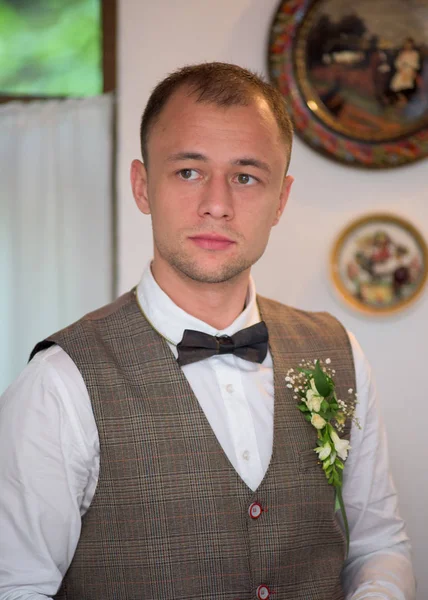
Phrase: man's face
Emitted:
{"points": [[215, 186]]}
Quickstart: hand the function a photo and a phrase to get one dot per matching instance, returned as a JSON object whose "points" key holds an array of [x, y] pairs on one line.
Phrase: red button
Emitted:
{"points": [[255, 510], [263, 592]]}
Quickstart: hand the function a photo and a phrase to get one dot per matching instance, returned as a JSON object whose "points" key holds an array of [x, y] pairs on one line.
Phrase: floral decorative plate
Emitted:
{"points": [[379, 263]]}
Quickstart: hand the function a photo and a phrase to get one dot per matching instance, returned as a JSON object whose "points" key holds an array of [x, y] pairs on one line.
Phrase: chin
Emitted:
{"points": [[220, 273]]}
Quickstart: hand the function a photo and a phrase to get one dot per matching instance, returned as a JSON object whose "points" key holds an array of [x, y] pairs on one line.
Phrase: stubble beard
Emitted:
{"points": [[189, 267]]}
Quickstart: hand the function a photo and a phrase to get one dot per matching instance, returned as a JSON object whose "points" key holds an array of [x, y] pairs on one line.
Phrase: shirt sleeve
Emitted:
{"points": [[46, 470], [378, 566]]}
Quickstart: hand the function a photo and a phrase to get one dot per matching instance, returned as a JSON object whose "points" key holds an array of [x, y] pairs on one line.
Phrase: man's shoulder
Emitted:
{"points": [[320, 330], [87, 325], [103, 313], [111, 308], [286, 313]]}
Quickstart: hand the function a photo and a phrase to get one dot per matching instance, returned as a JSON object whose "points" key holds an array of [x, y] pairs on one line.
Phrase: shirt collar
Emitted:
{"points": [[171, 321]]}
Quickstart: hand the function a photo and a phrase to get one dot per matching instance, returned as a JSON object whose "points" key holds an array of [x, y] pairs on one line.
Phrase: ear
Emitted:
{"points": [[285, 192], [139, 186]]}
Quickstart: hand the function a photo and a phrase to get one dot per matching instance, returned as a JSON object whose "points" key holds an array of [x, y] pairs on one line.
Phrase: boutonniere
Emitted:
{"points": [[314, 387]]}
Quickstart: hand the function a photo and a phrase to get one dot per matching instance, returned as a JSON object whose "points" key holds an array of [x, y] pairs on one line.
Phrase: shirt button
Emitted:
{"points": [[263, 592], [229, 388], [255, 511], [246, 455]]}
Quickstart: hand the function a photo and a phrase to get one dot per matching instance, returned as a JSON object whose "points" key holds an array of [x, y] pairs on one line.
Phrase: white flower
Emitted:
{"points": [[350, 391], [314, 387], [327, 361], [317, 421], [323, 451], [341, 446], [313, 401], [313, 398]]}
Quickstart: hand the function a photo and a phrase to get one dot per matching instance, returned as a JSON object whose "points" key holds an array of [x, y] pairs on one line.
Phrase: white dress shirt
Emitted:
{"points": [[49, 458]]}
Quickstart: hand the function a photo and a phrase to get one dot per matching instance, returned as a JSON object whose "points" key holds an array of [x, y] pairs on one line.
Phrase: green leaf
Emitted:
{"points": [[339, 500], [328, 415], [336, 503], [324, 405], [308, 417], [324, 435], [321, 382], [303, 408]]}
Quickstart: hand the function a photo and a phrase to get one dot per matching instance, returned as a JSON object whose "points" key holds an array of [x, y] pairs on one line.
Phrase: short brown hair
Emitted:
{"points": [[218, 83]]}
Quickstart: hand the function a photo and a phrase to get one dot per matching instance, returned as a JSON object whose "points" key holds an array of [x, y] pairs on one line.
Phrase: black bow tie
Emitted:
{"points": [[250, 343]]}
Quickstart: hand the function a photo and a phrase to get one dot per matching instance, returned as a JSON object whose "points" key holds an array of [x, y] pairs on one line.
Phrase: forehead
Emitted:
{"points": [[185, 121]]}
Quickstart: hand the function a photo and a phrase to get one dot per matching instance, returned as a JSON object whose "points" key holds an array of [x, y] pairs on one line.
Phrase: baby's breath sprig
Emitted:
{"points": [[314, 388]]}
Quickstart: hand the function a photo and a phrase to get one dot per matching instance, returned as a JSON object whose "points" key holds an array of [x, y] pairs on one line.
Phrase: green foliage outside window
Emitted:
{"points": [[50, 47]]}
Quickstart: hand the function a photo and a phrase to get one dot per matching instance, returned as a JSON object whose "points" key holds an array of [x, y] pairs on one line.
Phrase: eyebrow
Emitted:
{"points": [[187, 156], [242, 162], [252, 162]]}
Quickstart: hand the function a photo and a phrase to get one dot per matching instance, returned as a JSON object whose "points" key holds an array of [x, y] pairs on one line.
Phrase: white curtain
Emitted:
{"points": [[56, 255]]}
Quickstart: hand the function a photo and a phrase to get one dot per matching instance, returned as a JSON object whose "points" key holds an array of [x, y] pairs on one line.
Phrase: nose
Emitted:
{"points": [[216, 199]]}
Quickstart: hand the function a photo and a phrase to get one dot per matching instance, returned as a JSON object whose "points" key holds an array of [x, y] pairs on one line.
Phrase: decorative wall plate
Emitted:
{"points": [[379, 263], [355, 75]]}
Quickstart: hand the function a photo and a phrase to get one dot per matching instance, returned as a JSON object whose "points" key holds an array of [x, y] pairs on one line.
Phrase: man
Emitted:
{"points": [[128, 474]]}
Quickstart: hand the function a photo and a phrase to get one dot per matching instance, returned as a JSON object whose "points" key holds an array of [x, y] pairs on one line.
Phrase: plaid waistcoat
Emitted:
{"points": [[170, 516]]}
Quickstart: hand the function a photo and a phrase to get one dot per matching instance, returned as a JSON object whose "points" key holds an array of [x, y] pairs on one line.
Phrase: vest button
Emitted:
{"points": [[263, 592], [255, 510]]}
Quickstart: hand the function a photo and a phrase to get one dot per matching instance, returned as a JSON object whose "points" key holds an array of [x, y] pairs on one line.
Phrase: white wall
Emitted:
{"points": [[155, 37]]}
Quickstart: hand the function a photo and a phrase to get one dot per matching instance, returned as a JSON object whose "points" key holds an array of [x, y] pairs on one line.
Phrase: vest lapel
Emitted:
{"points": [[290, 429], [167, 376]]}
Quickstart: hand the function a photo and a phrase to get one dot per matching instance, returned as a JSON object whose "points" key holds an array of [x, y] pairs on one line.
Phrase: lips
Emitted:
{"points": [[212, 241]]}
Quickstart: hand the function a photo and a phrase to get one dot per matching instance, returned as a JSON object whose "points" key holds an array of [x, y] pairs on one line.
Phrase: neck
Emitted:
{"points": [[217, 304]]}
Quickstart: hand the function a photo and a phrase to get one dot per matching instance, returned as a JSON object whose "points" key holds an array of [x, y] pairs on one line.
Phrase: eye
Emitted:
{"points": [[188, 174], [245, 179]]}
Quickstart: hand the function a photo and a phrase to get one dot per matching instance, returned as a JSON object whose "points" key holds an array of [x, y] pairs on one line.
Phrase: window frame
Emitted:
{"points": [[108, 56]]}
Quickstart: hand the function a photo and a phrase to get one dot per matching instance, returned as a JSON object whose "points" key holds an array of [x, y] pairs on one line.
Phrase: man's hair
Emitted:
{"points": [[215, 83]]}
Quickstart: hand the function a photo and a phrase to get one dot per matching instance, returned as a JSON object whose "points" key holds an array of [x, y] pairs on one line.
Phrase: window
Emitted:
{"points": [[55, 49]]}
